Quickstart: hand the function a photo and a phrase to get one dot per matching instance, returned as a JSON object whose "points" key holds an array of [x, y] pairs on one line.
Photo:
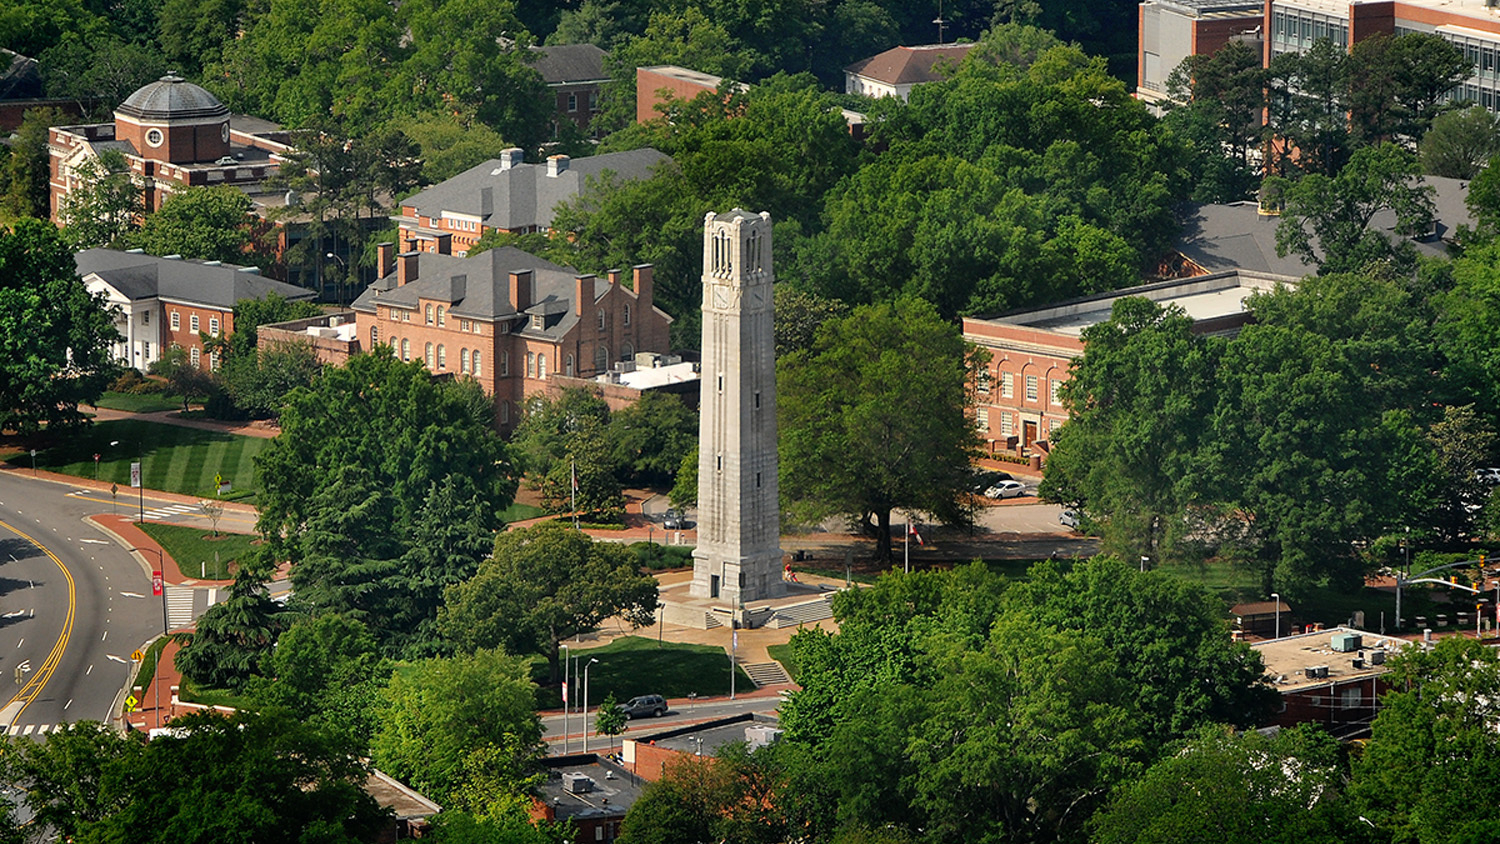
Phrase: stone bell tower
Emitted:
{"points": [[738, 557]]}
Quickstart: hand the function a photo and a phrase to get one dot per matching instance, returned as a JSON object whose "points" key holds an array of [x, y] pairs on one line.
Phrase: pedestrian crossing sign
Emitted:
{"points": [[131, 703]]}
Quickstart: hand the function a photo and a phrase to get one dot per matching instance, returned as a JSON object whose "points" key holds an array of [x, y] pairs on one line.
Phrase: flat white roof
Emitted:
{"points": [[645, 378], [1288, 658]]}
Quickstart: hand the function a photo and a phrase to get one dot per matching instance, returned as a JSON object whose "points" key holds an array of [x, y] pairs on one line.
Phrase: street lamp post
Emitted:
{"points": [[158, 585], [566, 707], [586, 703], [1277, 598]]}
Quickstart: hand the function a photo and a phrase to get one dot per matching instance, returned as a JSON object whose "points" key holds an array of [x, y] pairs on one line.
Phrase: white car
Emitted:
{"points": [[1068, 518], [1006, 489]]}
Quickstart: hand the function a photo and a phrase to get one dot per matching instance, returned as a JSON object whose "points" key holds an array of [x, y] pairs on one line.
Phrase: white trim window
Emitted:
{"points": [[193, 323], [981, 420], [1031, 388], [1007, 385]]}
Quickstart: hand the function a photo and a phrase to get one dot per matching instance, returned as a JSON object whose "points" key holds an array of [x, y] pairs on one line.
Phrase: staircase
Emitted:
{"points": [[766, 674], [711, 620], [803, 613]]}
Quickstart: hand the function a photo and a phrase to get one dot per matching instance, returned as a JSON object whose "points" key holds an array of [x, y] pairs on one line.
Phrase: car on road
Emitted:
{"points": [[643, 705], [675, 520], [983, 479], [1069, 518], [1006, 489]]}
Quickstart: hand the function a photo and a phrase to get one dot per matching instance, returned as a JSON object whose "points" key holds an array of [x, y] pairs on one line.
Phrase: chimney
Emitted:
{"points": [[458, 288], [385, 259], [409, 245], [583, 296], [486, 201], [406, 268], [509, 158], [614, 277], [556, 164], [520, 290], [444, 244], [644, 275]]}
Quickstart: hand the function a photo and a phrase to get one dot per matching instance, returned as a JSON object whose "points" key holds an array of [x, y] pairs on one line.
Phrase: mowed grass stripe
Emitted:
{"points": [[213, 464], [173, 458]]}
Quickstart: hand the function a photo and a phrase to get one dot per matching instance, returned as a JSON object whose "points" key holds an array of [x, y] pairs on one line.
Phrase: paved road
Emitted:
{"points": [[74, 605], [678, 716]]}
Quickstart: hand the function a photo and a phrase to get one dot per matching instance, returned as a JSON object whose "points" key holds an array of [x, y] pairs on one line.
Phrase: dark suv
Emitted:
{"points": [[636, 707]]}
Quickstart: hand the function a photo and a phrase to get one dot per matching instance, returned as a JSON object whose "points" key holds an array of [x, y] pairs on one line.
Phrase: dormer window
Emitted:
{"points": [[538, 321]]}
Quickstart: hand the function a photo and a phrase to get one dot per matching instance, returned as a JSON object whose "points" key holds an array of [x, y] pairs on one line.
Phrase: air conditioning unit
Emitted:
{"points": [[1322, 671], [760, 735], [1346, 642], [576, 783], [625, 366], [1377, 657]]}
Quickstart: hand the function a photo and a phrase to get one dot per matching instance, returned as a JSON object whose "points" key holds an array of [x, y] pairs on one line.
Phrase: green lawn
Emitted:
{"points": [[173, 458], [783, 655], [635, 665], [139, 402], [147, 670], [519, 512], [196, 551]]}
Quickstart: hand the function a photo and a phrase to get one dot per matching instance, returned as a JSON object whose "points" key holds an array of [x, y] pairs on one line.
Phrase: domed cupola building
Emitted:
{"points": [[174, 134]]}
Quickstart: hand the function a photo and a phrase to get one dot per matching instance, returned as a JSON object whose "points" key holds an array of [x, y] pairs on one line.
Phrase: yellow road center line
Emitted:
{"points": [[42, 674]]}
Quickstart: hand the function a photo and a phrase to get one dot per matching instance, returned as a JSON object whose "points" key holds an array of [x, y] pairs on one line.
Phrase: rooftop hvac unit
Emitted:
{"points": [[760, 735], [1322, 671], [625, 366], [1346, 642], [576, 783], [1377, 657]]}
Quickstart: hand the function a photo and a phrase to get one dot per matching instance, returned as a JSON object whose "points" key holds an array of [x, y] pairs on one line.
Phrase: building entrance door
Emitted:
{"points": [[1028, 433]]}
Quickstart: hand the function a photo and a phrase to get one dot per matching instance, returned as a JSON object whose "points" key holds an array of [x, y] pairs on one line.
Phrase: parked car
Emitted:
{"points": [[983, 479], [675, 520], [644, 705], [1069, 518], [1006, 489]]}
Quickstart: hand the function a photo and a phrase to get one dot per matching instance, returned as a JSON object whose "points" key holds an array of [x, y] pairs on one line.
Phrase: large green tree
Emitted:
{"points": [[542, 585], [54, 335], [873, 419], [207, 223], [1460, 143], [104, 203]]}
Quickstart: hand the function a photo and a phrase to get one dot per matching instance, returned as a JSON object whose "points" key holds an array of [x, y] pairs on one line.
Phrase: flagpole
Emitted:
{"points": [[906, 546], [573, 476]]}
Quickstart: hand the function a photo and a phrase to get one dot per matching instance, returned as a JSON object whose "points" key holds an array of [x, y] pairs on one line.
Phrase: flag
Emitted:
{"points": [[565, 692], [912, 529]]}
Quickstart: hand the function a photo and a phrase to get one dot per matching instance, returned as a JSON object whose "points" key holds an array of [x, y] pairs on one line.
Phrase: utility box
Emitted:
{"points": [[1346, 642], [577, 783]]}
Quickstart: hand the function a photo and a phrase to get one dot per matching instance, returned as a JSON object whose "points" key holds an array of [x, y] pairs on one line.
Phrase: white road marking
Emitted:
{"points": [[29, 728], [116, 659], [65, 706], [132, 595], [94, 541], [14, 614], [88, 672], [20, 643], [105, 636]]}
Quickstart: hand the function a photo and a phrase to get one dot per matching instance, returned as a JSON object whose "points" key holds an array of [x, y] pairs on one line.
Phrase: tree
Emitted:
{"points": [[1460, 143], [609, 720], [1396, 84], [450, 147], [651, 437], [563, 445], [226, 647], [69, 780], [55, 336], [1327, 221], [1127, 455], [26, 175], [1234, 787], [544, 584], [1306, 105], [1223, 93], [259, 381], [852, 441], [184, 378], [206, 223], [799, 315], [439, 713], [104, 203]]}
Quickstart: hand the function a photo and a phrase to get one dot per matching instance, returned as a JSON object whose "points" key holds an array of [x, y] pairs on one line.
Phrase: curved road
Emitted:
{"points": [[74, 605]]}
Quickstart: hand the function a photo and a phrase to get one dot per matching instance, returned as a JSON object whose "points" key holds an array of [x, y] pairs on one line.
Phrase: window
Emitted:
{"points": [[1007, 385], [1031, 385], [601, 358], [442, 317], [427, 355], [193, 323], [195, 355], [393, 315], [721, 383], [504, 363], [757, 399], [463, 325], [1007, 429], [213, 361], [1052, 387], [405, 348], [1351, 698], [572, 102], [429, 315], [476, 361], [504, 410], [982, 382], [176, 321], [442, 357], [569, 370], [145, 317], [530, 364], [982, 420], [627, 352], [213, 326], [601, 320], [146, 351], [406, 316], [718, 462], [374, 335], [463, 360], [757, 480], [153, 137], [541, 366], [593, 101], [627, 313]]}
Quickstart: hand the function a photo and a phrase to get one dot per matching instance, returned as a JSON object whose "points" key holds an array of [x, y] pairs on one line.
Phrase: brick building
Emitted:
{"points": [[574, 74], [898, 70], [1171, 30], [507, 194], [1017, 405], [166, 302], [508, 319], [1333, 678], [659, 83], [173, 134]]}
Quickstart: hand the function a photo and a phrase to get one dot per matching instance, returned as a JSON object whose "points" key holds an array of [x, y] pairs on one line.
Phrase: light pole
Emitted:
{"points": [[158, 586], [566, 653], [1144, 560], [1277, 598], [586, 703]]}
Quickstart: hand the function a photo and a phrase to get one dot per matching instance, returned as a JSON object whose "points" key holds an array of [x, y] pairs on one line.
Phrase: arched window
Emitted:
{"points": [[405, 349], [627, 352], [627, 313], [442, 318], [601, 320], [463, 360], [504, 363], [530, 364], [442, 357], [374, 336], [601, 358], [570, 366], [428, 356], [541, 366], [429, 315], [476, 361]]}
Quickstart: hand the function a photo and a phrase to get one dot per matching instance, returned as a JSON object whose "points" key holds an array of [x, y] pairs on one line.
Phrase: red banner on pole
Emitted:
{"points": [[156, 583]]}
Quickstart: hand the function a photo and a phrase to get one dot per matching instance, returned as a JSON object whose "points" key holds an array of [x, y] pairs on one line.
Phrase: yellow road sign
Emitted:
{"points": [[131, 703], [137, 656]]}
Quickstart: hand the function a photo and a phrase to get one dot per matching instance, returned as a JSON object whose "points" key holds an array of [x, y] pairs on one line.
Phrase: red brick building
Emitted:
{"points": [[574, 74], [508, 319], [1333, 678]]}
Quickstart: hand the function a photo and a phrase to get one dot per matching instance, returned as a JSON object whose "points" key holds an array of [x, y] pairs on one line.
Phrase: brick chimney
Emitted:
{"points": [[444, 244], [583, 297], [385, 259], [556, 165], [644, 275], [406, 268], [520, 290]]}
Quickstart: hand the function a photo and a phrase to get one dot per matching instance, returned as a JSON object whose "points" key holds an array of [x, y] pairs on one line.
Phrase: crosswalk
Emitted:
{"points": [[180, 606], [171, 510], [34, 729]]}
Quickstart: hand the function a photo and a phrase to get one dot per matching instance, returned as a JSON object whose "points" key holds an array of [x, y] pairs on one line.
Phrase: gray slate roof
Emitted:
{"points": [[1237, 237], [172, 97], [484, 290], [138, 276], [525, 195], [565, 63]]}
